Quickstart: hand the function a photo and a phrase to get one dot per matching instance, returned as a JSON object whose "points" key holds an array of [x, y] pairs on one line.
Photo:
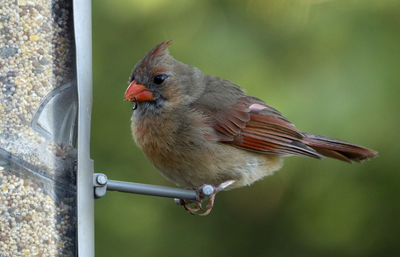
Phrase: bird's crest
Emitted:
{"points": [[157, 52], [160, 49]]}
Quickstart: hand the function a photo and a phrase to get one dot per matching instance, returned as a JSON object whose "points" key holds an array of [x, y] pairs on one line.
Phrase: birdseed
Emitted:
{"points": [[37, 163]]}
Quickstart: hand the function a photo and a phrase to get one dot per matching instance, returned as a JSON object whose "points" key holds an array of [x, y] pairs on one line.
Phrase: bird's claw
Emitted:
{"points": [[204, 193]]}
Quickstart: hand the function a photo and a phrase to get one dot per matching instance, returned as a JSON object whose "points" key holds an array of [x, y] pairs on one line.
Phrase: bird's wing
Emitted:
{"points": [[252, 125]]}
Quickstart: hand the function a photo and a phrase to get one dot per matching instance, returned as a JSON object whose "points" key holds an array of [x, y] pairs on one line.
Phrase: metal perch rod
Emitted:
{"points": [[102, 184], [144, 189]]}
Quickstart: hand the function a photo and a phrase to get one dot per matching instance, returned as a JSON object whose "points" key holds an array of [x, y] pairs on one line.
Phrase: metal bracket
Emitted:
{"points": [[102, 184]]}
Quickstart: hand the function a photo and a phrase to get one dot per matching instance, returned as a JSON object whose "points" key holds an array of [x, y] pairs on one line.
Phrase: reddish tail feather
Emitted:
{"points": [[338, 149]]}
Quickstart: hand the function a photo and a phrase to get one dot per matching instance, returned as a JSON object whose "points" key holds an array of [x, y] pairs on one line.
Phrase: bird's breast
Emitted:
{"points": [[154, 135], [174, 143]]}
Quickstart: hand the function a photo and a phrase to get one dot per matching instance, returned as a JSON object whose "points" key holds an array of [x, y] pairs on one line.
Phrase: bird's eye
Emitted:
{"points": [[159, 79]]}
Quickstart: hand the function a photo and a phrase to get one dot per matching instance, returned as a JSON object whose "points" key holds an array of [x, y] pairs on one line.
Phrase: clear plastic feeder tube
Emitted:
{"points": [[38, 129]]}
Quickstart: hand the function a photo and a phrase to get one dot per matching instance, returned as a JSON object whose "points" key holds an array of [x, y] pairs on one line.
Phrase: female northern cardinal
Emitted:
{"points": [[198, 129]]}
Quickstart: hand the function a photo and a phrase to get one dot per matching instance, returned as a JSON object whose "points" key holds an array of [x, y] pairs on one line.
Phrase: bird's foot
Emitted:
{"points": [[205, 195]]}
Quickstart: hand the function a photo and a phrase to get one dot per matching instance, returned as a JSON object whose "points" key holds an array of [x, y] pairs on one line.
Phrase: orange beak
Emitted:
{"points": [[138, 92]]}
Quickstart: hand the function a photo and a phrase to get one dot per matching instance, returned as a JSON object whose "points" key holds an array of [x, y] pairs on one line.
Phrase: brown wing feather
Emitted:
{"points": [[260, 128]]}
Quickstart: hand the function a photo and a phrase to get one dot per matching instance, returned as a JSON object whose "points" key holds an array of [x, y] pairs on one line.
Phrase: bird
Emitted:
{"points": [[199, 129]]}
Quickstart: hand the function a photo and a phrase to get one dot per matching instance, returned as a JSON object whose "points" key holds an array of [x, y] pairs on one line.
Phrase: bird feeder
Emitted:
{"points": [[45, 96]]}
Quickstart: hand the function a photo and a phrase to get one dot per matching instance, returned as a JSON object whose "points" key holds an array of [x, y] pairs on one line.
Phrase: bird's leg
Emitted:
{"points": [[204, 193], [211, 199], [190, 206]]}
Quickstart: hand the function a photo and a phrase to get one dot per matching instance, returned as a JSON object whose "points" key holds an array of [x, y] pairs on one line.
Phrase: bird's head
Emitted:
{"points": [[158, 81]]}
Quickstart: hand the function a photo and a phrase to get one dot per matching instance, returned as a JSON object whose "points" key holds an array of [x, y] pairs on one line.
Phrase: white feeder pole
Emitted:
{"points": [[85, 199]]}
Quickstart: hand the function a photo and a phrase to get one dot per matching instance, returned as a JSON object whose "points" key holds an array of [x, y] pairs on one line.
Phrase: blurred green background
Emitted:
{"points": [[331, 67]]}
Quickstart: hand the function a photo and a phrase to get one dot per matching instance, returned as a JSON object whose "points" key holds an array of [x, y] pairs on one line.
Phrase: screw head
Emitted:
{"points": [[101, 179], [207, 190]]}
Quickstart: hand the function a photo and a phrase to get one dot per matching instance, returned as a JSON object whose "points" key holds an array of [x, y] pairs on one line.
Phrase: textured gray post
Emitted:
{"points": [[85, 202]]}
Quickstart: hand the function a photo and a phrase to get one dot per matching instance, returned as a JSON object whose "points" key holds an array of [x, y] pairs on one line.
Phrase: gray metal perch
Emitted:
{"points": [[102, 184]]}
